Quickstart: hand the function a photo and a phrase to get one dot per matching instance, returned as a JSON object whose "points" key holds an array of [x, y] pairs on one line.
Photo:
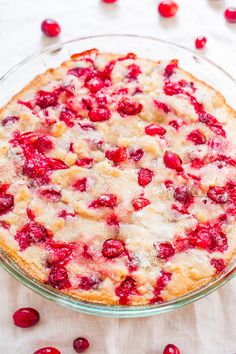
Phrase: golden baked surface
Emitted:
{"points": [[118, 179]]}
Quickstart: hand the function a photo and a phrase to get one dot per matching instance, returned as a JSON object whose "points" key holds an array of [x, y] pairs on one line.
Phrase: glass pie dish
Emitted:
{"points": [[144, 47]]}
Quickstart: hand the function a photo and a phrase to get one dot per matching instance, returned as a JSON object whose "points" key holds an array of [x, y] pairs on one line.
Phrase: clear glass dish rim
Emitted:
{"points": [[95, 308]]}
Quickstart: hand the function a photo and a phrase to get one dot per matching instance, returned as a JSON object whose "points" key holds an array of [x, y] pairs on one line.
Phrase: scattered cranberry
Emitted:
{"points": [[26, 317], [99, 115], [6, 203], [196, 137], [105, 200], [95, 84], [58, 277], [117, 155], [112, 248], [129, 107], [86, 162], [126, 288], [140, 203], [168, 8], [144, 176], [183, 195], [47, 350], [109, 1], [155, 129], [200, 42], [219, 264], [165, 250], [50, 28], [172, 160], [136, 155], [210, 238], [10, 119], [45, 99], [81, 184], [88, 283], [80, 344], [67, 116], [133, 72], [230, 14], [171, 349], [31, 233], [219, 195]]}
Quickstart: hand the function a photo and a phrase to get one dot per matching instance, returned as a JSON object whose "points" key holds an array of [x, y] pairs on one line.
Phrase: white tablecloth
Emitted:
{"points": [[208, 326]]}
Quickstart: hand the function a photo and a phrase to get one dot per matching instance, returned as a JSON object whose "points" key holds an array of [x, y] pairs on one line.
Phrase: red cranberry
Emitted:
{"points": [[144, 176], [10, 119], [210, 238], [85, 162], [26, 317], [105, 200], [58, 277], [171, 349], [117, 155], [112, 248], [67, 116], [140, 203], [99, 115], [45, 99], [162, 106], [129, 107], [112, 220], [87, 283], [219, 195], [168, 8], [165, 250], [59, 253], [80, 344], [136, 155], [51, 194], [95, 84], [126, 288], [31, 233], [81, 184], [47, 350], [133, 72], [172, 160], [170, 68], [109, 1], [50, 28], [219, 264], [183, 195], [196, 137], [155, 129], [161, 283], [6, 203], [230, 14], [200, 42]]}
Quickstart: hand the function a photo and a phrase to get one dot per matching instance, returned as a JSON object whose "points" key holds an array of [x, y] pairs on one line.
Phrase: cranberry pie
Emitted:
{"points": [[118, 180]]}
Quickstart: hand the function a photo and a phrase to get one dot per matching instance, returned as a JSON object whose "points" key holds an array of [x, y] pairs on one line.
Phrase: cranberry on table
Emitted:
{"points": [[47, 350], [230, 14], [50, 28], [168, 8], [80, 344], [26, 317], [200, 42], [171, 349]]}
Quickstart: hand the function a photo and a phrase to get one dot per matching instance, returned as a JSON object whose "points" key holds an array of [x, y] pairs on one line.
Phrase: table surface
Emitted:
{"points": [[205, 327]]}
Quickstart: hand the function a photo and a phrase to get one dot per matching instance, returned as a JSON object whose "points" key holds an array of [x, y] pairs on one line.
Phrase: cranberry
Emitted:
{"points": [[81, 184], [58, 277], [172, 160], [140, 203], [112, 248], [95, 84], [36, 166], [133, 72], [162, 106], [219, 195], [129, 107], [112, 220], [210, 238], [219, 264], [51, 194], [67, 116], [80, 344], [99, 115], [126, 288], [155, 129], [85, 162], [230, 14], [105, 200], [170, 68], [26, 317], [196, 137], [144, 176], [200, 42], [45, 99], [168, 8], [117, 155], [165, 250], [31, 233], [47, 350], [56, 164], [86, 73], [50, 28], [10, 119], [87, 283], [6, 203], [136, 155], [183, 195], [171, 349], [161, 283]]}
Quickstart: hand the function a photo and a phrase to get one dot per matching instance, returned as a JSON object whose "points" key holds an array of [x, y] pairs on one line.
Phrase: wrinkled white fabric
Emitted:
{"points": [[209, 325]]}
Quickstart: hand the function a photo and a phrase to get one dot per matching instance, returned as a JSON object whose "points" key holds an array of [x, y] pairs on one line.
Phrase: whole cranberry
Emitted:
{"points": [[173, 161], [168, 8], [26, 317], [47, 350], [80, 344], [112, 248], [230, 14], [109, 1], [171, 349], [50, 28], [200, 42]]}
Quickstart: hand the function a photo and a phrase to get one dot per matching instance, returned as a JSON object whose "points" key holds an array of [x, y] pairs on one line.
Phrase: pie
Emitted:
{"points": [[118, 180]]}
